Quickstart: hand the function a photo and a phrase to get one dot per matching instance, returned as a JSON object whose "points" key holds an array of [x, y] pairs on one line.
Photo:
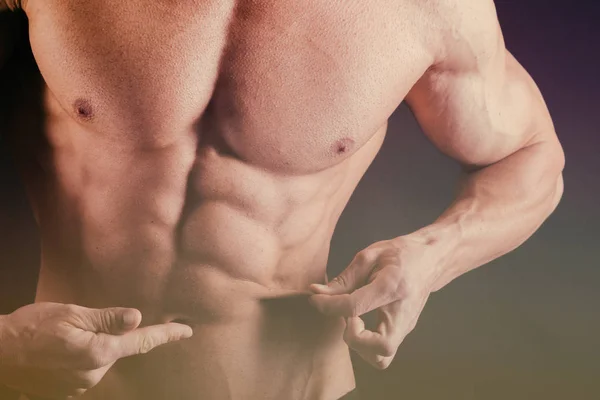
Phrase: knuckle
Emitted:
{"points": [[358, 308], [387, 349], [412, 325], [363, 256], [93, 379], [391, 256], [349, 337], [73, 347], [86, 380], [146, 344], [70, 309], [390, 287], [403, 289], [382, 363], [96, 358], [109, 351], [76, 392], [360, 257], [341, 280], [105, 319]]}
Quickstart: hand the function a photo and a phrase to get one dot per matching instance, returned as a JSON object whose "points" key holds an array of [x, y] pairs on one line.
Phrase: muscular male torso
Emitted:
{"points": [[192, 161]]}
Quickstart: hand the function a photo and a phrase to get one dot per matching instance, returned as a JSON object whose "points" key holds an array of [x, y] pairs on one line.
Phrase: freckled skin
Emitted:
{"points": [[194, 159]]}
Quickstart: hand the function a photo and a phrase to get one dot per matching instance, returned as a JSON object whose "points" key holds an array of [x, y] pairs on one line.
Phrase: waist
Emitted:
{"points": [[167, 286], [251, 360], [251, 341]]}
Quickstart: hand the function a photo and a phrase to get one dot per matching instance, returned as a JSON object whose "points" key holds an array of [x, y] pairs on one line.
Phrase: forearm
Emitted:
{"points": [[497, 209]]}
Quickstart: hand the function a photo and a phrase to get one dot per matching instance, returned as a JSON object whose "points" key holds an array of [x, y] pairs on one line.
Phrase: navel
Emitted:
{"points": [[83, 109]]}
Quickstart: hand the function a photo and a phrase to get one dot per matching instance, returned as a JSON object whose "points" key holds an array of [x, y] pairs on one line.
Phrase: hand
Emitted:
{"points": [[393, 277], [56, 350]]}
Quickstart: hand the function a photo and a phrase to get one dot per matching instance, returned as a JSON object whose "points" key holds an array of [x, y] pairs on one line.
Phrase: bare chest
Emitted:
{"points": [[290, 86]]}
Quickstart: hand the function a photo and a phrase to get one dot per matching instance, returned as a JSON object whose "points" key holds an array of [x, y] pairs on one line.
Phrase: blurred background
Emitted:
{"points": [[526, 326]]}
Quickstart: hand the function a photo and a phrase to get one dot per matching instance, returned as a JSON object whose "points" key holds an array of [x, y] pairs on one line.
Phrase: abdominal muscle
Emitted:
{"points": [[233, 258], [251, 340], [235, 283]]}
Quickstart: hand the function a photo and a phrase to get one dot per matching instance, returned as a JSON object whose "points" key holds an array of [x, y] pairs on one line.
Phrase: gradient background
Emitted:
{"points": [[525, 326]]}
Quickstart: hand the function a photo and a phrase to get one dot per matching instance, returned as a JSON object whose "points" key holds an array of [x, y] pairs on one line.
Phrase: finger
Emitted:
{"points": [[114, 321], [376, 348], [87, 379], [381, 362], [368, 343], [141, 341], [51, 389], [397, 320], [400, 320], [354, 276], [381, 291]]}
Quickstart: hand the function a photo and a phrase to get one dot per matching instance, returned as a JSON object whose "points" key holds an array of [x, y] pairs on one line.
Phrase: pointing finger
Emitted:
{"points": [[143, 340], [115, 320]]}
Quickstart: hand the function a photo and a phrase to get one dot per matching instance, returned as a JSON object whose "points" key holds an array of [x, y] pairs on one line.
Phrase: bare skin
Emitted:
{"points": [[195, 157]]}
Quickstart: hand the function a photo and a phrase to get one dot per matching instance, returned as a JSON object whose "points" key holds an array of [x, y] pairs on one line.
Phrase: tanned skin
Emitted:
{"points": [[192, 163]]}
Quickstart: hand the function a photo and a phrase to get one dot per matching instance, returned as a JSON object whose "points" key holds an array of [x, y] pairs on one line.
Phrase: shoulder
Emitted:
{"points": [[465, 33]]}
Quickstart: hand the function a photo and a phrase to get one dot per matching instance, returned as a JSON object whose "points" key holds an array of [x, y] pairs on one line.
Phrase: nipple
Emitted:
{"points": [[343, 146], [83, 109]]}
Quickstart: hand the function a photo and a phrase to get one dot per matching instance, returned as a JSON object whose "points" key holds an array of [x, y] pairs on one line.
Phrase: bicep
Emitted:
{"points": [[481, 106]]}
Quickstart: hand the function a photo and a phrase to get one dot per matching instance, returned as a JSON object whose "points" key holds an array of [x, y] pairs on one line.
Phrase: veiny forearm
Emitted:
{"points": [[497, 209]]}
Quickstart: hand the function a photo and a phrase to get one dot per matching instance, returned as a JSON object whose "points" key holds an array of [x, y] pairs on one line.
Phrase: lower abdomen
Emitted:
{"points": [[270, 348]]}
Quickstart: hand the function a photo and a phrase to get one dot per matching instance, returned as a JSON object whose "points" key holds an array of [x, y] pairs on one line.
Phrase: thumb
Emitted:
{"points": [[353, 277], [115, 320], [341, 284]]}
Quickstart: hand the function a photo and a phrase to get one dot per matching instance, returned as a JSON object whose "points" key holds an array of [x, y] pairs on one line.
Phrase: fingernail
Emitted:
{"points": [[188, 333]]}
